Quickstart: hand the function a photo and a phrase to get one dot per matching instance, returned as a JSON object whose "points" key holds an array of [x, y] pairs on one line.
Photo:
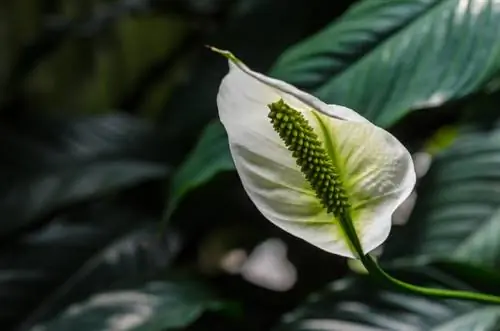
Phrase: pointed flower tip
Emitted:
{"points": [[227, 54]]}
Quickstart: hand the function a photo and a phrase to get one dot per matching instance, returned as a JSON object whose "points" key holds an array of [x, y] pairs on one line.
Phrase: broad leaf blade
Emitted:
{"points": [[136, 255], [386, 58], [457, 214], [465, 276], [154, 306], [32, 266], [360, 305], [210, 157], [49, 164]]}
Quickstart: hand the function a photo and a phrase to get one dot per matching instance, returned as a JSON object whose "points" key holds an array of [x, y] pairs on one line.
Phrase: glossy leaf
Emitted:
{"points": [[48, 164], [209, 157], [360, 305], [457, 215], [385, 58], [154, 306], [36, 263], [137, 254], [482, 279]]}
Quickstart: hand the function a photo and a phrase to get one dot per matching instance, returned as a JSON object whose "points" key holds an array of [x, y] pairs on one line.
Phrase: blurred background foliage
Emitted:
{"points": [[120, 208]]}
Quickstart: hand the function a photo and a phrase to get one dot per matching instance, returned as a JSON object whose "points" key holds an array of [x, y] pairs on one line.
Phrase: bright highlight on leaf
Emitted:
{"points": [[304, 163]]}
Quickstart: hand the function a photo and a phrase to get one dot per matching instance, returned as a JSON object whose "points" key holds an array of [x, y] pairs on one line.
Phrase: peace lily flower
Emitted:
{"points": [[306, 164]]}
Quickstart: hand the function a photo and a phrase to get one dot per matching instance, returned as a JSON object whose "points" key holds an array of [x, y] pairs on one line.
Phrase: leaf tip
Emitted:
{"points": [[227, 54]]}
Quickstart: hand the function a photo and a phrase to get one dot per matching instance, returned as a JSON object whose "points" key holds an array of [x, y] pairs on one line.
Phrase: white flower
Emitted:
{"points": [[374, 169]]}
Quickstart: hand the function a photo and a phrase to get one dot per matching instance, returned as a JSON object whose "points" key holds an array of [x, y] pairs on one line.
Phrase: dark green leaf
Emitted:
{"points": [[35, 264], [360, 305], [457, 215], [384, 58], [483, 279], [209, 157], [155, 306], [48, 164], [482, 110], [257, 32], [134, 256]]}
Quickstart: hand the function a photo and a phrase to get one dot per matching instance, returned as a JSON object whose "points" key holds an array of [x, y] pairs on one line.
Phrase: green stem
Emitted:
{"points": [[374, 269]]}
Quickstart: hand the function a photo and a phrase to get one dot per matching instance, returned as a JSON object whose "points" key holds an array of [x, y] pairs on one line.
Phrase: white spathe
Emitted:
{"points": [[376, 169]]}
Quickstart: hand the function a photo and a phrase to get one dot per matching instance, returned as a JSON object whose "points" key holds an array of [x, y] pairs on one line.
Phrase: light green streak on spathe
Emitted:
{"points": [[351, 213], [315, 162]]}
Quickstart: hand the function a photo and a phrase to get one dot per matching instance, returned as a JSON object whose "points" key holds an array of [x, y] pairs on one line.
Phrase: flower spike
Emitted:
{"points": [[310, 156]]}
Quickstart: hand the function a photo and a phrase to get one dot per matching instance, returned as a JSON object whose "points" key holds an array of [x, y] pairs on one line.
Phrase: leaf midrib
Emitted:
{"points": [[389, 35]]}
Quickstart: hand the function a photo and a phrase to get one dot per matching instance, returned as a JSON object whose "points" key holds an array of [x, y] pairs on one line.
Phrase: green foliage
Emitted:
{"points": [[155, 306], [109, 125], [134, 251], [58, 163], [357, 304], [209, 157], [43, 270], [386, 58], [456, 216]]}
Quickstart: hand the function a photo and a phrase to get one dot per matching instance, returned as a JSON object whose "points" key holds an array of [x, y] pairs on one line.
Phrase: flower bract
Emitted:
{"points": [[305, 164]]}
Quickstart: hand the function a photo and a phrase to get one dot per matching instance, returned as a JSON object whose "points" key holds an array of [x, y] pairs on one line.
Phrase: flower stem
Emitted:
{"points": [[375, 270]]}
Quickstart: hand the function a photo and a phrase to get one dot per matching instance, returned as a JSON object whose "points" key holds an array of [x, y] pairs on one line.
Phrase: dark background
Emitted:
{"points": [[108, 122]]}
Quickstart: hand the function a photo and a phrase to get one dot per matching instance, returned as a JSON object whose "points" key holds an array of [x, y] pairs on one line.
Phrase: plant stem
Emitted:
{"points": [[375, 270]]}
